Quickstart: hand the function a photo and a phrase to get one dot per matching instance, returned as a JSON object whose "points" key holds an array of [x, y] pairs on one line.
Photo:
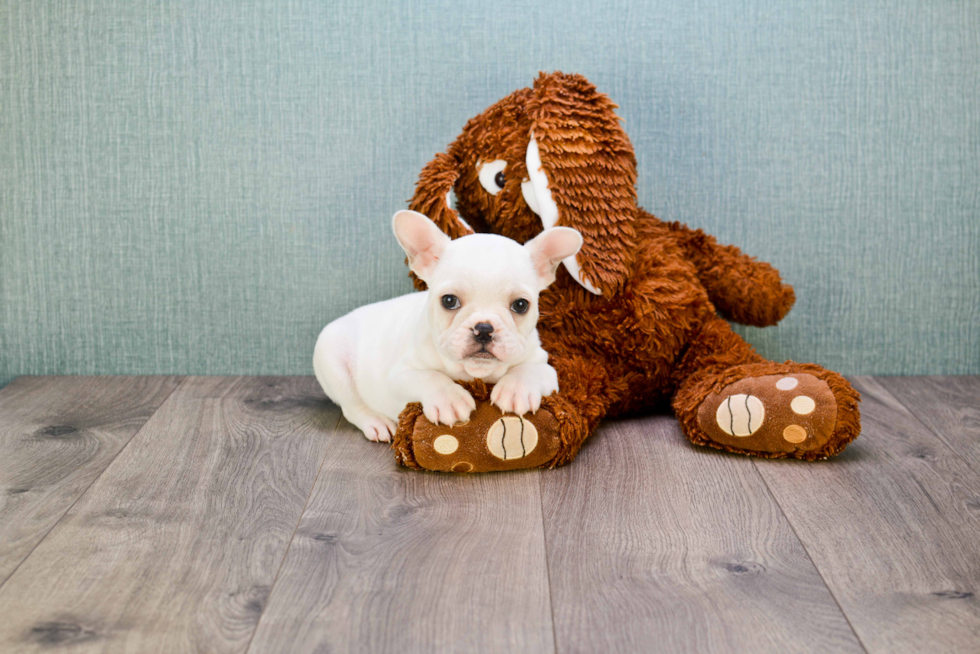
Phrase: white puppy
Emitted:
{"points": [[476, 321]]}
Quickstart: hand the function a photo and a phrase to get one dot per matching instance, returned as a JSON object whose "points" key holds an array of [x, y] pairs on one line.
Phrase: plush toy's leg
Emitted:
{"points": [[492, 441], [730, 398]]}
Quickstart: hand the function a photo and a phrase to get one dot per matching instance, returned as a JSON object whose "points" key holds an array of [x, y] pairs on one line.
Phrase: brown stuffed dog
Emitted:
{"points": [[633, 319]]}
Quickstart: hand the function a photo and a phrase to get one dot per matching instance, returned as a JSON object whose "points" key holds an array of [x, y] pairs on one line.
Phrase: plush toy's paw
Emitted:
{"points": [[449, 405], [789, 414], [490, 441]]}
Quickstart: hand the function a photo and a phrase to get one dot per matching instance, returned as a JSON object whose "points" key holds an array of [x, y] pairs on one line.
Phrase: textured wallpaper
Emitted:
{"points": [[198, 187]]}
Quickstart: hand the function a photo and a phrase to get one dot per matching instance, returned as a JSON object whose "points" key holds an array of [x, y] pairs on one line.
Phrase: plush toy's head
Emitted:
{"points": [[554, 154]]}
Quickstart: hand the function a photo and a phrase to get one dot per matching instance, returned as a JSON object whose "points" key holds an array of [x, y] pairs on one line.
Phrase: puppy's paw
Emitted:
{"points": [[448, 405], [378, 429], [515, 395], [522, 391]]}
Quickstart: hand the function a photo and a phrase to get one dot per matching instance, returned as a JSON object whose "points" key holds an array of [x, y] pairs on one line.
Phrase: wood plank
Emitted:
{"points": [[57, 435], [892, 525], [655, 544], [395, 560], [949, 406], [176, 546]]}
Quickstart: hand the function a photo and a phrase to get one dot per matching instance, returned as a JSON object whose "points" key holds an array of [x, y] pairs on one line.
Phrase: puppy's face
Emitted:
{"points": [[483, 289], [483, 302]]}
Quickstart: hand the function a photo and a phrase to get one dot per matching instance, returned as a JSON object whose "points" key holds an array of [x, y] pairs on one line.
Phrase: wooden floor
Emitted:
{"points": [[242, 514]]}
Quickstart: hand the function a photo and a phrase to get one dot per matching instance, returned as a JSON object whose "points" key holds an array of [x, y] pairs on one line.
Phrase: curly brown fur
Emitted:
{"points": [[654, 333], [742, 289]]}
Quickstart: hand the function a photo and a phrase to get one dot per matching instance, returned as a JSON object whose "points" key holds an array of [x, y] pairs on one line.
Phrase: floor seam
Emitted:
{"points": [[92, 483], [547, 563], [292, 537], [806, 550]]}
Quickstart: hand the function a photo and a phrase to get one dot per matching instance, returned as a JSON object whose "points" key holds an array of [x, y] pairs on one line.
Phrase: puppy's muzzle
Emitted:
{"points": [[483, 333]]}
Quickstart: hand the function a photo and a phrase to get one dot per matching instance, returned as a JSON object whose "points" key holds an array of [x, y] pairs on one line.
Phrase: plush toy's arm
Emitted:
{"points": [[491, 440], [742, 289]]}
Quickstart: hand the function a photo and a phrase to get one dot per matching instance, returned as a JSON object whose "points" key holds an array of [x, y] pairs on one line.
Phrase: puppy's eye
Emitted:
{"points": [[450, 302], [520, 306], [492, 176]]}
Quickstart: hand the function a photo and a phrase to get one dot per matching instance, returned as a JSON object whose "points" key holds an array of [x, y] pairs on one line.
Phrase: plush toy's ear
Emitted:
{"points": [[432, 199], [432, 195], [583, 172], [549, 248], [421, 240]]}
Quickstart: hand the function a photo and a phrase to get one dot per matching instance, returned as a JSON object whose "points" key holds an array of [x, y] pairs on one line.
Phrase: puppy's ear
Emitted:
{"points": [[422, 241], [548, 248]]}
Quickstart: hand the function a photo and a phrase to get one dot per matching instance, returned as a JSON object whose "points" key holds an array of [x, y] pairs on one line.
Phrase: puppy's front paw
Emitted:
{"points": [[519, 394], [448, 405]]}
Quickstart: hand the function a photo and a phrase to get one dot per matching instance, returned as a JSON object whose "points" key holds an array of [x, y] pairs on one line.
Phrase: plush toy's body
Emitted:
{"points": [[634, 321]]}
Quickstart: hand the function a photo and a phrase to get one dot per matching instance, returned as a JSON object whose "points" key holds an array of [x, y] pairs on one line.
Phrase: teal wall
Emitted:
{"points": [[198, 187]]}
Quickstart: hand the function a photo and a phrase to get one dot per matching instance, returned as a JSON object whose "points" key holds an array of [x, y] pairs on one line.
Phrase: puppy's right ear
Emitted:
{"points": [[422, 241]]}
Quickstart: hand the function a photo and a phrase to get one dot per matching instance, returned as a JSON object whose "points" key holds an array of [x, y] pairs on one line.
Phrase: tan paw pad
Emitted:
{"points": [[445, 444], [512, 437], [787, 383], [794, 434], [771, 413], [802, 405], [740, 415]]}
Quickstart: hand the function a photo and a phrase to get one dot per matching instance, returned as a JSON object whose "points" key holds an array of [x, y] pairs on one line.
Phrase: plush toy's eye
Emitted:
{"points": [[492, 176], [450, 302], [520, 306]]}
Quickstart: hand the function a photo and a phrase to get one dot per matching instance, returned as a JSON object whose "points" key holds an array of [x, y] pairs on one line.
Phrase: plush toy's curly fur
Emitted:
{"points": [[655, 332]]}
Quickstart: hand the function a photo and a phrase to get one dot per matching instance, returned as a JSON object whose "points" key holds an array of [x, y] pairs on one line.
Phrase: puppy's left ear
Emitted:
{"points": [[548, 248], [422, 241]]}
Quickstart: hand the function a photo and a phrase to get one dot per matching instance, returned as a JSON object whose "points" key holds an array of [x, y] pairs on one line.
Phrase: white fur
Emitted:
{"points": [[375, 360]]}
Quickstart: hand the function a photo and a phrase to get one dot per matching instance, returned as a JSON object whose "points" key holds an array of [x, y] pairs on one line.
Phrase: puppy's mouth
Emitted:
{"points": [[482, 354]]}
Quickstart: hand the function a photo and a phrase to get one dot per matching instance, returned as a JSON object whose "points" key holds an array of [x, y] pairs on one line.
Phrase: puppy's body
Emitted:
{"points": [[363, 345], [358, 359], [477, 320]]}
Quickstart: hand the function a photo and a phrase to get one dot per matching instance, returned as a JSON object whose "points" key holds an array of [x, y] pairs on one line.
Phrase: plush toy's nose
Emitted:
{"points": [[483, 332]]}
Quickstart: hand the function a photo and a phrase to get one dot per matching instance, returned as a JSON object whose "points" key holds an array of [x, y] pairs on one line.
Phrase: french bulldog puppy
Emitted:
{"points": [[476, 321]]}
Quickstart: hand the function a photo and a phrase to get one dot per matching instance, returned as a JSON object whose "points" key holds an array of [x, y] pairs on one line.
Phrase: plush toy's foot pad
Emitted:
{"points": [[490, 441], [790, 413]]}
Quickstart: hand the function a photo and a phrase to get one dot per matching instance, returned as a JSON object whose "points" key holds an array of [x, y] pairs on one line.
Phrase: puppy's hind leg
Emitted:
{"points": [[332, 365]]}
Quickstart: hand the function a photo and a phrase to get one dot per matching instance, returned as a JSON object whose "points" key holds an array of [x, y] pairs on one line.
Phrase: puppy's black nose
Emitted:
{"points": [[484, 332]]}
